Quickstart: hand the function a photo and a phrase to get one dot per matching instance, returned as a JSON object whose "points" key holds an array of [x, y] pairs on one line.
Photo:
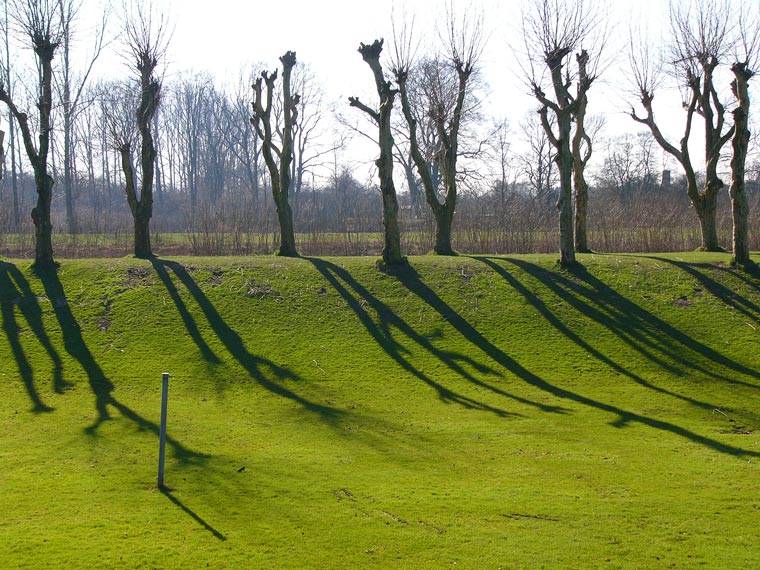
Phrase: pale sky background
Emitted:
{"points": [[225, 37]]}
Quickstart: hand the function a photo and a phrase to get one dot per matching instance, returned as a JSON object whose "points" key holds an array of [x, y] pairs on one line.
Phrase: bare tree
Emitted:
{"points": [[279, 167], [744, 68], [627, 166], [71, 90], [39, 21], [464, 44], [146, 40], [537, 161], [241, 138], [11, 126], [188, 100], [370, 53], [309, 128], [581, 148], [500, 154], [553, 30], [700, 35]]}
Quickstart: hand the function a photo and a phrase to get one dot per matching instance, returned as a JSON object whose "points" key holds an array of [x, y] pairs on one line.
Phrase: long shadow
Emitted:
{"points": [[410, 278], [653, 338], [16, 292], [187, 318], [726, 295], [100, 385], [382, 332], [541, 307], [168, 494], [259, 369]]}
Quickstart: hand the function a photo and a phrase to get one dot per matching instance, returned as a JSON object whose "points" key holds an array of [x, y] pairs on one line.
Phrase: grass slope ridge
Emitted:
{"points": [[487, 411]]}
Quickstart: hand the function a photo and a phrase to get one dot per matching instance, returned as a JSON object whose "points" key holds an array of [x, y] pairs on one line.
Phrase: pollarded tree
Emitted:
{"points": [[382, 118], [744, 67], [446, 109], [553, 31], [40, 21], [700, 34], [279, 167], [581, 148], [146, 42]]}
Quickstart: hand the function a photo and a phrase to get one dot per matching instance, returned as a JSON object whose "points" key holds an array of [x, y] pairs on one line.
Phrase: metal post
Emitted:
{"points": [[162, 433]]}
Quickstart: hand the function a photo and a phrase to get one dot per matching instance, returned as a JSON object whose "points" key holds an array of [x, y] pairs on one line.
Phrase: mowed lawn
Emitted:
{"points": [[466, 412]]}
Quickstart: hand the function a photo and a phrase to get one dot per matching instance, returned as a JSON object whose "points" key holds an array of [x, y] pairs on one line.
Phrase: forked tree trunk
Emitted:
{"points": [[564, 108], [740, 144], [446, 157]]}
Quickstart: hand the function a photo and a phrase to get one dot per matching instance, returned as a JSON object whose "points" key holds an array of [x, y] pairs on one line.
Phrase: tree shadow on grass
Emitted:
{"points": [[653, 338], [410, 278], [557, 323], [187, 318], [100, 385], [169, 495], [264, 372], [15, 292], [719, 290], [383, 333]]}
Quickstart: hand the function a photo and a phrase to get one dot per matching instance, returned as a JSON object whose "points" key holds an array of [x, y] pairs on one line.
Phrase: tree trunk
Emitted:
{"points": [[739, 145], [580, 159], [287, 233], [564, 161], [707, 214], [143, 248], [443, 221], [581, 215], [43, 228]]}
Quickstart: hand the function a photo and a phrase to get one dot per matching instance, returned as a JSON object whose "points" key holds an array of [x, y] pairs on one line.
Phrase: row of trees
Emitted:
{"points": [[206, 143]]}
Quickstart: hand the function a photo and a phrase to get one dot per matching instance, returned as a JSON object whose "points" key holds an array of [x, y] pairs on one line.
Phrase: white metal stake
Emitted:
{"points": [[162, 432]]}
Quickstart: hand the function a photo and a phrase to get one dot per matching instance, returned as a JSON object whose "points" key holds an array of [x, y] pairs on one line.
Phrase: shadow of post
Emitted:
{"points": [[168, 494]]}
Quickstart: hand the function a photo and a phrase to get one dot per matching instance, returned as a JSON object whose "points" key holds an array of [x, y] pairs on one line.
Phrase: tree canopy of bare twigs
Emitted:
{"points": [[444, 81], [701, 39]]}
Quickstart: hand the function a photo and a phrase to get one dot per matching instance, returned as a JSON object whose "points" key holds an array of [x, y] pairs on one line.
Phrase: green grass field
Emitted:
{"points": [[467, 412]]}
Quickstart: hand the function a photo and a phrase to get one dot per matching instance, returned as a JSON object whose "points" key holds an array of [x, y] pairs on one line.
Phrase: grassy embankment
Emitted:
{"points": [[491, 412]]}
